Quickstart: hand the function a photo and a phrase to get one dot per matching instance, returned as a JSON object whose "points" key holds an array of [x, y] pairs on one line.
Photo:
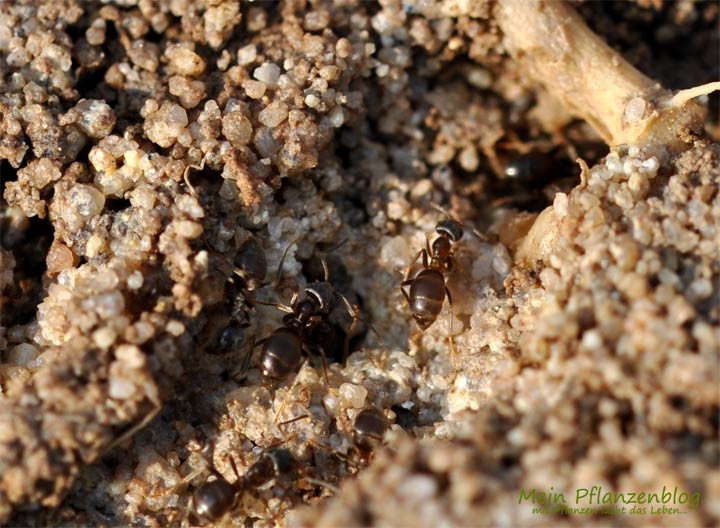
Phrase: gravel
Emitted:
{"points": [[145, 143]]}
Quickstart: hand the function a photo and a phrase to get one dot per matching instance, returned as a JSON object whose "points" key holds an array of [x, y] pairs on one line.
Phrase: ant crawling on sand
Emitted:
{"points": [[305, 328], [368, 430], [428, 288], [215, 498], [227, 328]]}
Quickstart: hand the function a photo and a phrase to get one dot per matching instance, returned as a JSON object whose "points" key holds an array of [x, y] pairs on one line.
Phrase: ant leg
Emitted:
{"points": [[422, 252], [402, 289], [289, 392], [245, 361], [238, 478], [323, 357], [133, 429], [293, 420], [407, 281], [317, 482], [281, 307], [354, 312], [450, 336]]}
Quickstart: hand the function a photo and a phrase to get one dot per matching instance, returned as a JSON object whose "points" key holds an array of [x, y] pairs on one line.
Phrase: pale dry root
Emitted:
{"points": [[555, 47]]}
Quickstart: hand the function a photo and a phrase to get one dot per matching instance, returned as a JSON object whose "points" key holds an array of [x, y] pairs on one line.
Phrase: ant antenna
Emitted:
{"points": [[278, 275], [439, 208], [474, 230], [326, 252], [279, 306]]}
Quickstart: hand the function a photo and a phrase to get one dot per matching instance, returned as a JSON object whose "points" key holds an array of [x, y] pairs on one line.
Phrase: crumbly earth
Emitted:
{"points": [[142, 143]]}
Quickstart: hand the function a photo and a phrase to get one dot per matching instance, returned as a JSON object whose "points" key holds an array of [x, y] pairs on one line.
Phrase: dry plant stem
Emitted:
{"points": [[592, 80], [555, 47]]}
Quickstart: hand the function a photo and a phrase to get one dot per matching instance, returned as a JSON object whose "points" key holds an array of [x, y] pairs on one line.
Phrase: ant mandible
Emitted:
{"points": [[428, 288]]}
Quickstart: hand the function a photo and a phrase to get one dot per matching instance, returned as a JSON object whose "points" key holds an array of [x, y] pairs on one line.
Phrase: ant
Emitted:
{"points": [[369, 429], [428, 288], [214, 499], [227, 330], [305, 329]]}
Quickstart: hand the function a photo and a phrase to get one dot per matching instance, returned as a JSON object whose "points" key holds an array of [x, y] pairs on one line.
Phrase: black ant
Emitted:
{"points": [[369, 429], [304, 330], [530, 180], [215, 498], [428, 289], [227, 330], [247, 272]]}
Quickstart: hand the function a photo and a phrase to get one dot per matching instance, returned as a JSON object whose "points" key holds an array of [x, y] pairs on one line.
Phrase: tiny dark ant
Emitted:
{"points": [[227, 331], [246, 273], [214, 499], [368, 430], [428, 288], [251, 270], [530, 180], [283, 350], [251, 264], [304, 329]]}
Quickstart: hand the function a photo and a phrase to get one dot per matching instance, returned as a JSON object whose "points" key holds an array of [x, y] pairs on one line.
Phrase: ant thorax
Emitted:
{"points": [[441, 251]]}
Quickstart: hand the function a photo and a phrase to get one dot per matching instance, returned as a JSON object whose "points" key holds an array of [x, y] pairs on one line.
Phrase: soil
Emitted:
{"points": [[172, 171]]}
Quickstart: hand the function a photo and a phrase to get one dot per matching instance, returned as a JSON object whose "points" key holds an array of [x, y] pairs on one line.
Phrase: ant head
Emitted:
{"points": [[322, 294], [232, 337], [251, 263], [451, 228]]}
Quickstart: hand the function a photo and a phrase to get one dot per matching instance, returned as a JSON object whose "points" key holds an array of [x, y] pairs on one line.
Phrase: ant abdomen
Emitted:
{"points": [[281, 353], [427, 294], [213, 499]]}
